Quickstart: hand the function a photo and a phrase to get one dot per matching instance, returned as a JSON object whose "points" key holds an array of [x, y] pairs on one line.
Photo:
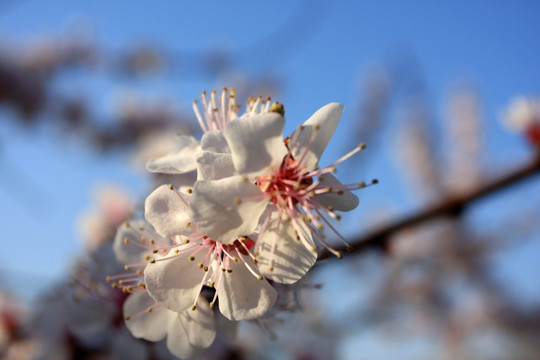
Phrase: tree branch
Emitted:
{"points": [[379, 238]]}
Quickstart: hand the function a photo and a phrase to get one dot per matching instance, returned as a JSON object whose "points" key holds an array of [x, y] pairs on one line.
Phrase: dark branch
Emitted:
{"points": [[379, 239]]}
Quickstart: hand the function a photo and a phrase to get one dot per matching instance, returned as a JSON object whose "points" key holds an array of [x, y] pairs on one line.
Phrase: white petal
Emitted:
{"points": [[199, 324], [291, 257], [222, 209], [347, 201], [178, 162], [191, 331], [256, 143], [129, 253], [327, 119], [175, 283], [214, 141], [242, 296], [149, 325], [168, 212], [214, 166]]}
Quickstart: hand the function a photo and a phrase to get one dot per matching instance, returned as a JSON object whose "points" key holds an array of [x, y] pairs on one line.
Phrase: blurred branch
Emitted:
{"points": [[455, 205]]}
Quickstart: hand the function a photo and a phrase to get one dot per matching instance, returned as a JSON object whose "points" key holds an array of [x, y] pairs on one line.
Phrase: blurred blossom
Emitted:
{"points": [[112, 206], [465, 139], [523, 115]]}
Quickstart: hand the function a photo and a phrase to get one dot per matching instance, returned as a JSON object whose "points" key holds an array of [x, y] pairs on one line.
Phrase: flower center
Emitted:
{"points": [[288, 184]]}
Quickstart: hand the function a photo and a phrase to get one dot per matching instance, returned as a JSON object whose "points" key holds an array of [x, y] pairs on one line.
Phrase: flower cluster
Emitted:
{"points": [[252, 219]]}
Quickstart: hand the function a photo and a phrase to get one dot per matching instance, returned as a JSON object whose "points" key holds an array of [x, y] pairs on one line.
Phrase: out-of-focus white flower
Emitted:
{"points": [[523, 115], [280, 179], [112, 207]]}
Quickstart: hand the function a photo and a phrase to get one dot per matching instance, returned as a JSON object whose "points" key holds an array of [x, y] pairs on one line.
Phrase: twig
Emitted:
{"points": [[378, 239]]}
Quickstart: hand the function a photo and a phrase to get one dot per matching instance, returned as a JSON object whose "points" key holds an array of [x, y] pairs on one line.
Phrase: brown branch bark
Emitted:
{"points": [[378, 239]]}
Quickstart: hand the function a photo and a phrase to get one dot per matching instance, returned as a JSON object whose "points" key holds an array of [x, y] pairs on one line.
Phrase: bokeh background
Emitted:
{"points": [[89, 90]]}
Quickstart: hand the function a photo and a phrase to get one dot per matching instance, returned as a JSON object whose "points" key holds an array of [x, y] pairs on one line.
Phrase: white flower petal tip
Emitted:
{"points": [[256, 142], [313, 136], [343, 200], [285, 254], [167, 210], [141, 321], [178, 162], [244, 295], [215, 141]]}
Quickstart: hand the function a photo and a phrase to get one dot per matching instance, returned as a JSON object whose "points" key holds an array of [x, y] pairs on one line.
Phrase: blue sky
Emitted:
{"points": [[329, 46]]}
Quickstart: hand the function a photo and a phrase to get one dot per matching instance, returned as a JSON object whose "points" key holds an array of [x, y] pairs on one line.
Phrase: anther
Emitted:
{"points": [[374, 181], [212, 305], [127, 317], [147, 257], [237, 201], [126, 224], [188, 224], [362, 146], [259, 277], [171, 187], [212, 283], [229, 271], [114, 286], [189, 191], [191, 258], [152, 261], [316, 127], [149, 309], [109, 279], [339, 255], [143, 239], [154, 251], [126, 241], [139, 272], [254, 261], [126, 267], [235, 259], [152, 241], [340, 192], [194, 307], [200, 265], [205, 268]]}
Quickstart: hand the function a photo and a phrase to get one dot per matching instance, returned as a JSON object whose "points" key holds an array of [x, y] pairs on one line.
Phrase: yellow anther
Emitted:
{"points": [[152, 241], [147, 257], [143, 239], [362, 146], [237, 201], [109, 279], [171, 186], [316, 127], [191, 258], [114, 286], [139, 272], [127, 317], [154, 251], [235, 259], [152, 261], [126, 241], [126, 224], [127, 267], [259, 277], [149, 309], [188, 224], [194, 307], [189, 191]]}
